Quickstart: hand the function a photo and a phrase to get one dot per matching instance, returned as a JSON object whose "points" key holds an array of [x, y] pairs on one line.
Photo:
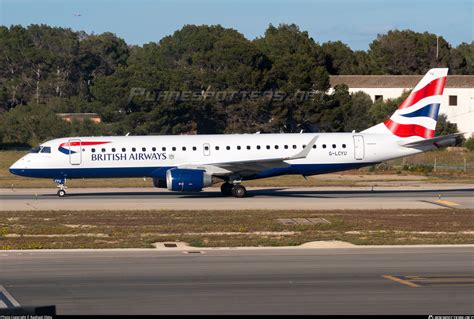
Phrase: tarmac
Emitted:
{"points": [[364, 280], [283, 198]]}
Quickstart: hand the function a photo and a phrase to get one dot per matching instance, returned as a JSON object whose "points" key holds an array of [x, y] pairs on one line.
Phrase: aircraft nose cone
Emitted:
{"points": [[18, 167]]}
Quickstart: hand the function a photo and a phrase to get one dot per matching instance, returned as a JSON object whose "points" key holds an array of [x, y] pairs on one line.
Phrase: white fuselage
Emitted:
{"points": [[151, 156]]}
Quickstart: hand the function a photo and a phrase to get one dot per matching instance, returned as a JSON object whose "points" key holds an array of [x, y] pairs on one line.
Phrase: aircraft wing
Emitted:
{"points": [[249, 167], [436, 142]]}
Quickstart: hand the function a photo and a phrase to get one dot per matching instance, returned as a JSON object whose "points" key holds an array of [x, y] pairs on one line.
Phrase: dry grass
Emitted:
{"points": [[123, 229]]}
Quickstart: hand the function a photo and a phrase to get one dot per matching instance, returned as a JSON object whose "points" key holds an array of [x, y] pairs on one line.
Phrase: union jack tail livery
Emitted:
{"points": [[417, 115]]}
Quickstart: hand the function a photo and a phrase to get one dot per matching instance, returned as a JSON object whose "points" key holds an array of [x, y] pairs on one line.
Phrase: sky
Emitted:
{"points": [[355, 22]]}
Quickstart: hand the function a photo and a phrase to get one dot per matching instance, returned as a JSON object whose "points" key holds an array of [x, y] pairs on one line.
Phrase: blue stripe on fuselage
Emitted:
{"points": [[160, 172]]}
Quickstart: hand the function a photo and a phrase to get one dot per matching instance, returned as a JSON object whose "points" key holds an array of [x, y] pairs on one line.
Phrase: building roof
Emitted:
{"points": [[78, 115], [397, 81]]}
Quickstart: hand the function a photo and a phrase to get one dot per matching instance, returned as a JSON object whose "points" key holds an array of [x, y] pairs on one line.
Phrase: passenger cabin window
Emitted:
{"points": [[268, 147], [184, 148], [258, 147], [163, 149], [173, 148], [343, 145], [294, 146], [314, 145], [93, 150], [333, 145], [143, 149], [194, 148], [248, 147], [217, 148], [286, 147], [124, 150], [206, 148], [133, 149], [276, 147], [238, 147], [113, 150], [153, 149], [103, 150], [324, 145], [227, 147]]}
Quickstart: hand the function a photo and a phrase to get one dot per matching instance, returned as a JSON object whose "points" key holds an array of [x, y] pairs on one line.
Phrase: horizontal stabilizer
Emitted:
{"points": [[436, 142]]}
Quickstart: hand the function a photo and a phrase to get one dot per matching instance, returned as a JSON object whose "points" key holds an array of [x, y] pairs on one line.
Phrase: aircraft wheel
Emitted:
{"points": [[61, 193], [239, 191], [226, 189]]}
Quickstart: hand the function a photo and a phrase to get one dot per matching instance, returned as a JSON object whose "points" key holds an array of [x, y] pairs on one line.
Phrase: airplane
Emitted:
{"points": [[189, 163]]}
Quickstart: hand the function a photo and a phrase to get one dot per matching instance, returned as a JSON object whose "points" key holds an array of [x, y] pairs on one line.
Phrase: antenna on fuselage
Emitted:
{"points": [[127, 134]]}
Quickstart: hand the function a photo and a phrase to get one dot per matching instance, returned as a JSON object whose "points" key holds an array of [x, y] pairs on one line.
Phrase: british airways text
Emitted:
{"points": [[129, 157]]}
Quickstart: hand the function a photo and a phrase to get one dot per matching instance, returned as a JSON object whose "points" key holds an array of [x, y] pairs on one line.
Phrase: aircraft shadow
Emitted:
{"points": [[283, 192]]}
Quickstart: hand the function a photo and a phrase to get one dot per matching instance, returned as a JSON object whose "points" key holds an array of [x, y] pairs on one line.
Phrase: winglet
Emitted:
{"points": [[305, 150]]}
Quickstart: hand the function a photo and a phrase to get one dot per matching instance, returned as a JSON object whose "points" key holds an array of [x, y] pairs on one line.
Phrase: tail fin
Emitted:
{"points": [[417, 115]]}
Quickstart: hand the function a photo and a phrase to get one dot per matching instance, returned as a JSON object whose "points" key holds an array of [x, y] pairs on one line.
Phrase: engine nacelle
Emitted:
{"points": [[187, 180]]}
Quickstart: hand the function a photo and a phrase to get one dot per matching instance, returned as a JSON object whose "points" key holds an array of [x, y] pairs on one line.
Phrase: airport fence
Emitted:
{"points": [[462, 162]]}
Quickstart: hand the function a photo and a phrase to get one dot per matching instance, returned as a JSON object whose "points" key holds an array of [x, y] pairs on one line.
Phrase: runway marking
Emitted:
{"points": [[7, 300], [434, 280], [447, 202], [404, 282]]}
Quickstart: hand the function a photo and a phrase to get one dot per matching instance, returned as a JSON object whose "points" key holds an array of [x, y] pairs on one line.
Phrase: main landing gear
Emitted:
{"points": [[235, 190], [61, 182]]}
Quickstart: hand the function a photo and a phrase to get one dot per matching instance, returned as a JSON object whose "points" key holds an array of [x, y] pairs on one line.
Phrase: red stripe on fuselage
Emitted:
{"points": [[435, 87], [82, 143], [406, 130]]}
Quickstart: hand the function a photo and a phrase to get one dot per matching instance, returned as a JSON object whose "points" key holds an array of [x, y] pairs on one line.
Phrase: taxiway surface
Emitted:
{"points": [[404, 197], [402, 280]]}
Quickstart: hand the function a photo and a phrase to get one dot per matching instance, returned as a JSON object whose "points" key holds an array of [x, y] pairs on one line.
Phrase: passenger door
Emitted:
{"points": [[75, 151], [359, 148]]}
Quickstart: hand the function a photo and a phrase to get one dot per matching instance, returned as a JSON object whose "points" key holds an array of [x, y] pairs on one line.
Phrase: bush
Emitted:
{"points": [[418, 168], [469, 143]]}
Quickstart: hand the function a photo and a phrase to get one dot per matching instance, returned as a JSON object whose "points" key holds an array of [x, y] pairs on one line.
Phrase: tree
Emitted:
{"points": [[357, 116], [469, 143], [340, 59], [31, 124], [445, 127], [99, 55], [297, 66], [382, 110], [408, 52], [461, 59]]}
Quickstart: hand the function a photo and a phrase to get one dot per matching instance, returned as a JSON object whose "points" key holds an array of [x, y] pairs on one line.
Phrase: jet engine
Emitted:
{"points": [[187, 180]]}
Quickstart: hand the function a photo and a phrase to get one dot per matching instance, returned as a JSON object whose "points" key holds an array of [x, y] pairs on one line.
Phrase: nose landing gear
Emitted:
{"points": [[61, 183]]}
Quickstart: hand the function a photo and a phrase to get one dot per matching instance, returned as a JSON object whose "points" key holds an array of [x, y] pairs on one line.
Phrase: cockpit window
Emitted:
{"points": [[41, 149], [45, 149]]}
